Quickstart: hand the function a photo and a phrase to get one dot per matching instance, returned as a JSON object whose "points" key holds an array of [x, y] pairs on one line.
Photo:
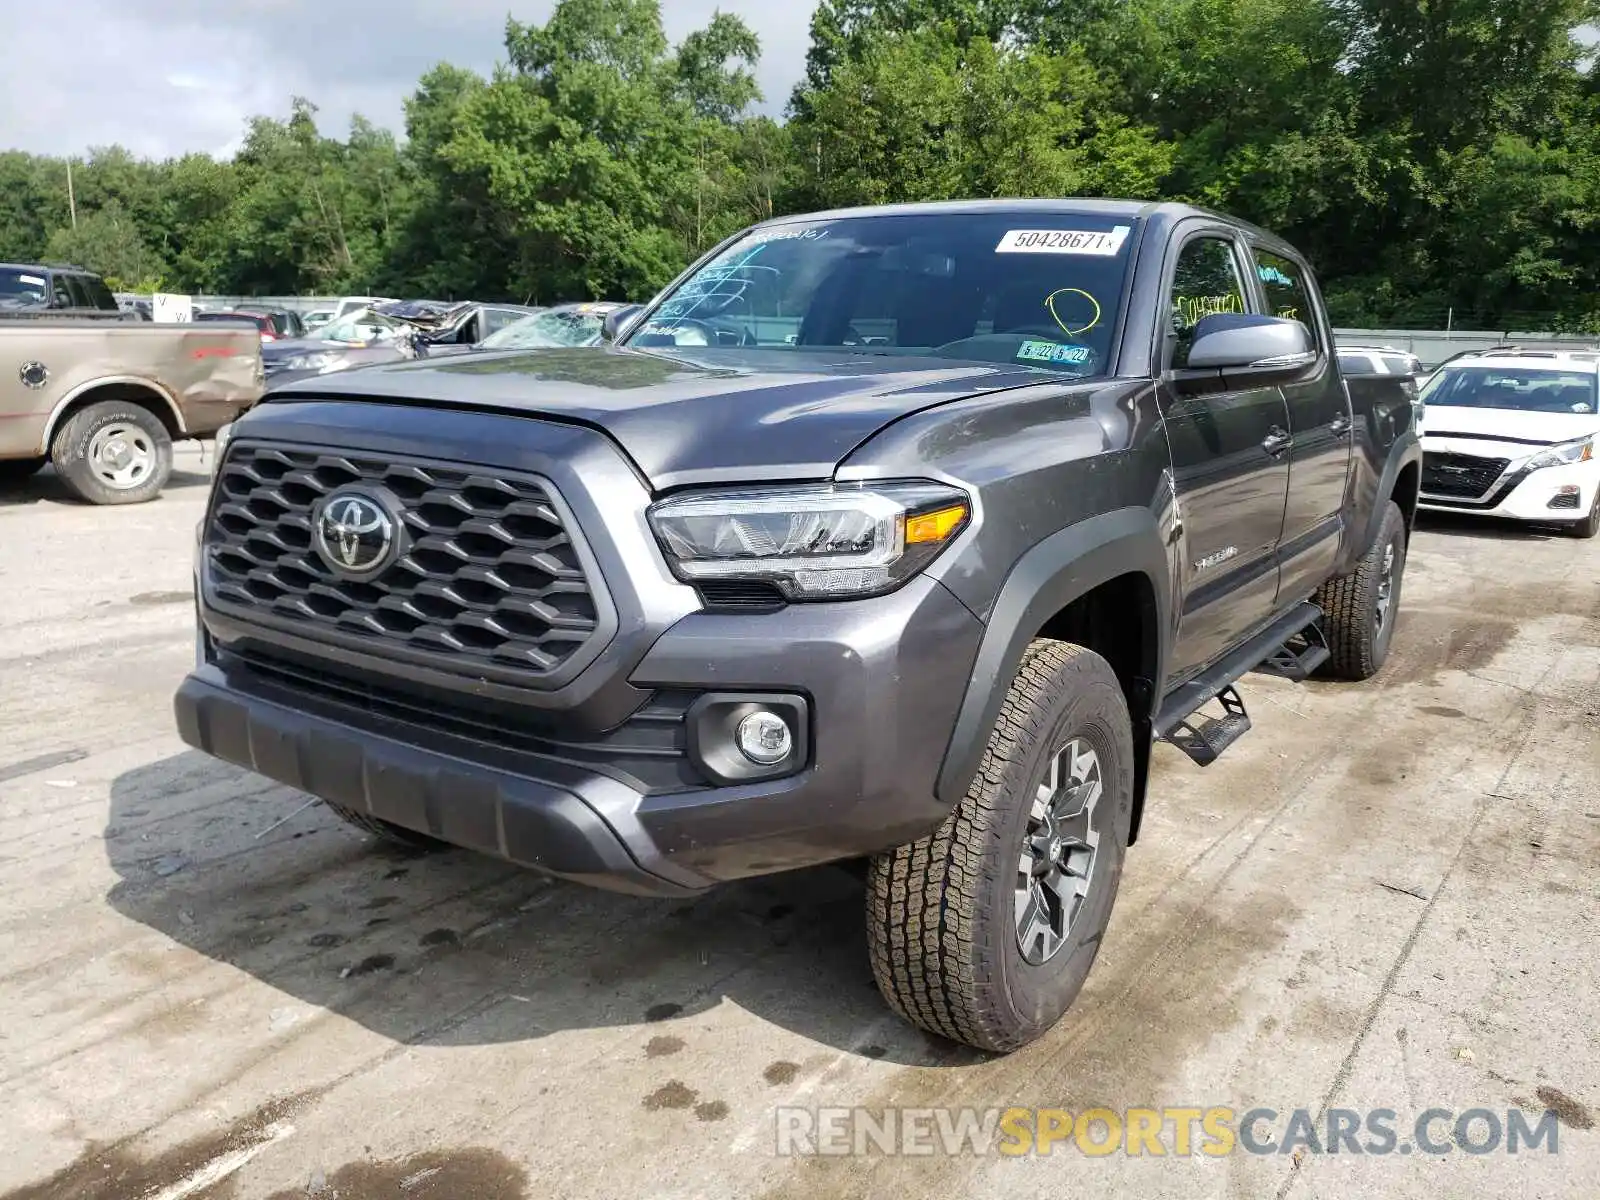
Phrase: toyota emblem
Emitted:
{"points": [[355, 534]]}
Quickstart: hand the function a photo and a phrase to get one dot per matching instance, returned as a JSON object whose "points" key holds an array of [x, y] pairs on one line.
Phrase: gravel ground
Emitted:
{"points": [[1383, 898]]}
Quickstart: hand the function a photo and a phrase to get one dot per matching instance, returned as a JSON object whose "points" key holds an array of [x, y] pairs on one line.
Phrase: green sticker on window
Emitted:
{"points": [[1053, 352]]}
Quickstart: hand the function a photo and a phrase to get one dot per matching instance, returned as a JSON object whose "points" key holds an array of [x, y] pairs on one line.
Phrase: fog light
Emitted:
{"points": [[764, 738]]}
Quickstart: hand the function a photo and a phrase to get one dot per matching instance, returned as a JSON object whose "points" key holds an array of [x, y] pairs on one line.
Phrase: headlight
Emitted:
{"points": [[221, 439], [1563, 455], [322, 361], [814, 542]]}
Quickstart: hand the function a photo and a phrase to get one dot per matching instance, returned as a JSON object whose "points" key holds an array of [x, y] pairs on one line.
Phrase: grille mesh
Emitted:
{"points": [[1463, 476], [488, 573]]}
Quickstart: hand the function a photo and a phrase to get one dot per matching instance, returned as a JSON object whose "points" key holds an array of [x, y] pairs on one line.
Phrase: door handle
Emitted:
{"points": [[1340, 425], [1276, 441]]}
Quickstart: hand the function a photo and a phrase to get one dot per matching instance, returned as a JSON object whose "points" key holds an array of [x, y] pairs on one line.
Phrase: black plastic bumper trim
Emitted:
{"points": [[525, 821]]}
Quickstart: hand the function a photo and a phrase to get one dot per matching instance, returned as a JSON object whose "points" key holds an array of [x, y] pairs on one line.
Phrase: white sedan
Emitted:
{"points": [[1511, 433]]}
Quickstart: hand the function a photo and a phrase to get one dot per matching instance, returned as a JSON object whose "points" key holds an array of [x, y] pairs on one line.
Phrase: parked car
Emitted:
{"points": [[51, 290], [134, 308], [105, 401], [1512, 433], [317, 318], [286, 323], [262, 322], [388, 333], [561, 325], [361, 338], [352, 304], [932, 521], [461, 323], [1386, 360], [1381, 360]]}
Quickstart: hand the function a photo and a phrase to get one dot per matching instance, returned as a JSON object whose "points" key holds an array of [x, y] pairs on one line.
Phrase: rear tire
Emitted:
{"points": [[387, 831], [14, 472], [965, 942], [113, 452], [1590, 525], [1360, 609]]}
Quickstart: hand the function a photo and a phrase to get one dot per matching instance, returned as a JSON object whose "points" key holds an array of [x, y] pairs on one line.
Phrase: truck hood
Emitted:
{"points": [[688, 416], [1440, 421]]}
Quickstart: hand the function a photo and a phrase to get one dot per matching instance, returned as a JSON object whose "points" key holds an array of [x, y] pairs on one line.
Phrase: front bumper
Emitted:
{"points": [[883, 679], [1528, 495]]}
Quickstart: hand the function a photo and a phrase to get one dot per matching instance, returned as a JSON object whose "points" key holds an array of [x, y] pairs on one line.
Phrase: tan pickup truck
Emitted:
{"points": [[104, 401]]}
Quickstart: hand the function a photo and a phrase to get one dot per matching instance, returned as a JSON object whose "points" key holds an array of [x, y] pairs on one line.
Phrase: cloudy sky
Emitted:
{"points": [[167, 76]]}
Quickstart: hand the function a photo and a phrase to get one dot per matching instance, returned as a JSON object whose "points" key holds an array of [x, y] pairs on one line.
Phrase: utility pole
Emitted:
{"points": [[72, 202]]}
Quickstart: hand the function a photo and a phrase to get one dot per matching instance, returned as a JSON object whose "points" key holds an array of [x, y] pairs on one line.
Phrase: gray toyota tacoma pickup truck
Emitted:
{"points": [[894, 534]]}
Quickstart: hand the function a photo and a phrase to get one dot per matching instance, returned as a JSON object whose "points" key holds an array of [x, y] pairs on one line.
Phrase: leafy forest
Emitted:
{"points": [[1437, 159]]}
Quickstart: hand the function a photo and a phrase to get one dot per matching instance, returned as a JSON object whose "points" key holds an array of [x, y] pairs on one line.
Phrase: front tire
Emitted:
{"points": [[113, 452], [1360, 609], [984, 931], [1590, 525]]}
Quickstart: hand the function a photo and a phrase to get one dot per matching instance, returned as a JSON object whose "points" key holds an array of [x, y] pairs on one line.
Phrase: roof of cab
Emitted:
{"points": [[1169, 211], [1512, 356]]}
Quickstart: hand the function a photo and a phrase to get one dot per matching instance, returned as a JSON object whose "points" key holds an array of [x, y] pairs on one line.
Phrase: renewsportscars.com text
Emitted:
{"points": [[1179, 1131]]}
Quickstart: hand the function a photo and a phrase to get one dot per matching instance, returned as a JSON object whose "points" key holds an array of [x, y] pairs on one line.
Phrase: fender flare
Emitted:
{"points": [[1055, 572], [1405, 450], [110, 381]]}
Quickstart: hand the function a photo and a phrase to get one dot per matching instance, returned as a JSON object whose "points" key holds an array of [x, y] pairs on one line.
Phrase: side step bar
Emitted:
{"points": [[1292, 646], [1298, 658], [1205, 738]]}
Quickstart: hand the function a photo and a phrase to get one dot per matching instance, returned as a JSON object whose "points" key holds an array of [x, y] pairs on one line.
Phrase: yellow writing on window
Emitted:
{"points": [[1192, 308]]}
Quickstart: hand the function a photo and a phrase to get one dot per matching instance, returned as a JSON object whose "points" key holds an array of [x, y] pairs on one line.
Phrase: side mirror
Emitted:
{"points": [[1235, 344], [617, 320]]}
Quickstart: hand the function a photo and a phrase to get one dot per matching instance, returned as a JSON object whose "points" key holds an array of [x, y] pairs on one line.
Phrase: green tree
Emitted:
{"points": [[924, 115], [107, 240], [1432, 159]]}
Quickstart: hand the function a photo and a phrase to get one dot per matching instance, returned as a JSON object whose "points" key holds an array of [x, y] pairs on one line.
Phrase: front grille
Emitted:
{"points": [[488, 576], [1463, 476]]}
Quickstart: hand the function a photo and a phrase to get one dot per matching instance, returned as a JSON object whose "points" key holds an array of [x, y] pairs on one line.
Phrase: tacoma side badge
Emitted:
{"points": [[1211, 560]]}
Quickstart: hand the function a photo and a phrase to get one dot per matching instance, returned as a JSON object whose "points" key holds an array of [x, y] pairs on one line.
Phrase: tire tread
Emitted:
{"points": [[1348, 603], [922, 898], [75, 472]]}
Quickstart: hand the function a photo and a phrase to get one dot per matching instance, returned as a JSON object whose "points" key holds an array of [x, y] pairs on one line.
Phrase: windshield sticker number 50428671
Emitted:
{"points": [[1104, 243]]}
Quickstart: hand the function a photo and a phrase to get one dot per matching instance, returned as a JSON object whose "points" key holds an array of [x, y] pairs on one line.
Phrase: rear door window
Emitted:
{"points": [[1284, 283], [99, 294]]}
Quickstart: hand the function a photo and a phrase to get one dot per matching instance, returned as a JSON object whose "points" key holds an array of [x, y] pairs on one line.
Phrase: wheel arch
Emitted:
{"points": [[1407, 491], [1401, 482], [1103, 583], [132, 389]]}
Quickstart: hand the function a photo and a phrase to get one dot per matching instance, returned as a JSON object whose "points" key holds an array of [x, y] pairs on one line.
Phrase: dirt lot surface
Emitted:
{"points": [[1385, 897]]}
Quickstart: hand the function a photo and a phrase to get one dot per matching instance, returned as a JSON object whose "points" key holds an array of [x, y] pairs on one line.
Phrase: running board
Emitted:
{"points": [[1203, 740], [1298, 658]]}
